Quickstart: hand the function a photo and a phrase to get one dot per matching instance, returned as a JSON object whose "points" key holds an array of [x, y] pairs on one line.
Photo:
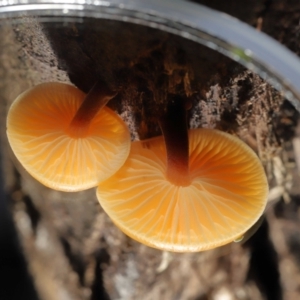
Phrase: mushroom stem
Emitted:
{"points": [[174, 128], [96, 99]]}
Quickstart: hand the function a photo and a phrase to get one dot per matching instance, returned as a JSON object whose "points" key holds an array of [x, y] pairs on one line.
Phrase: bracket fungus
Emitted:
{"points": [[186, 191], [65, 139]]}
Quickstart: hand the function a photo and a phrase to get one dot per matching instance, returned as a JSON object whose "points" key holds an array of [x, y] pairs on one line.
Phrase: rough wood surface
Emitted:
{"points": [[72, 248]]}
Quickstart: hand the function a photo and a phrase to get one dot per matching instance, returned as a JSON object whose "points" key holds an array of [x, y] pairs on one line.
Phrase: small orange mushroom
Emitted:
{"points": [[187, 191], [66, 140]]}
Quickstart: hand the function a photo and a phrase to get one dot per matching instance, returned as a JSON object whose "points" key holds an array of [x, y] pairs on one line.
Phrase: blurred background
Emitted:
{"points": [[56, 245]]}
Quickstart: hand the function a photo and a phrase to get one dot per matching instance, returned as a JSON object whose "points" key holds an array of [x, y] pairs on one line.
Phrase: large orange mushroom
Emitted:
{"points": [[65, 139], [188, 190]]}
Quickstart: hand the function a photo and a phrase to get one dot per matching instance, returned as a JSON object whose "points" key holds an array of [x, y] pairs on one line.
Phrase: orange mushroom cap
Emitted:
{"points": [[226, 193], [59, 156]]}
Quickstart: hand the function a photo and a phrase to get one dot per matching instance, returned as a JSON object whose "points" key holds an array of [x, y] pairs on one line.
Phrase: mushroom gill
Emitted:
{"points": [[65, 139], [186, 195]]}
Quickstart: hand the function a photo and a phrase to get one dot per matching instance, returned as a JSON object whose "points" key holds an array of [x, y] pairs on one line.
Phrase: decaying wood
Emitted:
{"points": [[72, 248]]}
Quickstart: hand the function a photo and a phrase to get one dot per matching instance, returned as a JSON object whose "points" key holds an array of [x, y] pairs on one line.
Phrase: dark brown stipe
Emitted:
{"points": [[174, 127], [96, 99]]}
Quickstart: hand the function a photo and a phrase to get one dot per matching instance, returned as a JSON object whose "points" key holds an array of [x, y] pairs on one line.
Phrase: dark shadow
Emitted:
{"points": [[98, 290], [75, 259], [264, 269], [15, 281], [32, 212]]}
